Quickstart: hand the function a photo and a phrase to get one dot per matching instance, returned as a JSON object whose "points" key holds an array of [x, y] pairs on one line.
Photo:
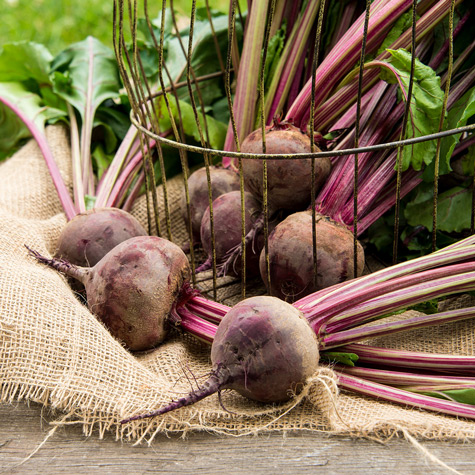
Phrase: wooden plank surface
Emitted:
{"points": [[23, 428]]}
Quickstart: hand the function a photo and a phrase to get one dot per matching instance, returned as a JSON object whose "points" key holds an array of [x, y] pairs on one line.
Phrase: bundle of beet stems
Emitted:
{"points": [[338, 316]]}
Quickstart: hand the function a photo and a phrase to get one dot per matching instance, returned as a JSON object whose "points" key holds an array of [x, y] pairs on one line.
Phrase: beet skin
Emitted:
{"points": [[89, 236], [263, 348], [291, 256], [267, 348], [227, 219], [288, 180], [222, 181]]}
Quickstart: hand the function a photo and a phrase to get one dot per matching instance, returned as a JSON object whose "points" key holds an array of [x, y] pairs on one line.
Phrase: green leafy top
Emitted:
{"points": [[458, 116], [216, 129], [85, 75], [13, 129], [426, 105], [453, 209], [24, 74], [25, 61]]}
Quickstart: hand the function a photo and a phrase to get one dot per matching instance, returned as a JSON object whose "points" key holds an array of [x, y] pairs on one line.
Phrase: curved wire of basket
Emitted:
{"points": [[296, 156]]}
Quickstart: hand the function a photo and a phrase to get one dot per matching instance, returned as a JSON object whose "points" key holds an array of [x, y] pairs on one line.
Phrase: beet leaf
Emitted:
{"points": [[453, 209], [426, 105]]}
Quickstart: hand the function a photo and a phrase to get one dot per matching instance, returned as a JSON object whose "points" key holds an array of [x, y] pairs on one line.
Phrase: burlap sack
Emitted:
{"points": [[54, 351]]}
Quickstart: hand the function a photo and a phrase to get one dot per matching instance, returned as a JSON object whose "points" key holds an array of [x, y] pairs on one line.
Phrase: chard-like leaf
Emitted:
{"points": [[147, 47], [453, 209], [205, 58], [143, 31], [426, 106], [468, 162], [274, 51], [458, 116], [51, 99], [102, 160], [24, 61], [343, 97], [12, 126], [90, 201], [86, 75], [216, 129], [204, 55], [401, 25], [465, 396], [90, 75], [117, 124], [111, 126]]}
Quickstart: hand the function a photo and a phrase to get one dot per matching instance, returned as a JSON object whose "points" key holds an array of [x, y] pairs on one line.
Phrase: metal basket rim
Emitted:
{"points": [[282, 156]]}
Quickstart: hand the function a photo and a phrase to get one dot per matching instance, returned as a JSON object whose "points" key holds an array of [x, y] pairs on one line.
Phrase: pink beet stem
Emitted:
{"points": [[412, 359], [402, 378], [353, 335], [401, 396]]}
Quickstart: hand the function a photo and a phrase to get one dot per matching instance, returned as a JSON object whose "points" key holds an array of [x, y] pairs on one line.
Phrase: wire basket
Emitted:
{"points": [[150, 99]]}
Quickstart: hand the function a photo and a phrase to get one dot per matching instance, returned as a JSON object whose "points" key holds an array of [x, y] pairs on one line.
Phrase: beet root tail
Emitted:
{"points": [[61, 265], [235, 253], [205, 266], [211, 386]]}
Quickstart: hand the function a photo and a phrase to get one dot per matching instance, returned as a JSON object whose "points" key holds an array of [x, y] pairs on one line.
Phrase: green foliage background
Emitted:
{"points": [[58, 23]]}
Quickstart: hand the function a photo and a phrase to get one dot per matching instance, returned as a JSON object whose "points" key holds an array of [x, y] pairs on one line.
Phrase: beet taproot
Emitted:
{"points": [[227, 219]]}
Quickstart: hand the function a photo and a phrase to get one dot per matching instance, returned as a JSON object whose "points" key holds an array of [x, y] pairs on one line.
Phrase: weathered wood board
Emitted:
{"points": [[23, 429]]}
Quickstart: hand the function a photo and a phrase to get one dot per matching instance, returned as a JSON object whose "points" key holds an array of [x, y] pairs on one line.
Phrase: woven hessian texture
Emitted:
{"points": [[55, 352]]}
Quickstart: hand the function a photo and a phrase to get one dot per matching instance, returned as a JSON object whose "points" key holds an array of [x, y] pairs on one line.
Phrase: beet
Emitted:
{"points": [[288, 180], [291, 256], [264, 349], [133, 287], [267, 347], [227, 218], [222, 181], [89, 236]]}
